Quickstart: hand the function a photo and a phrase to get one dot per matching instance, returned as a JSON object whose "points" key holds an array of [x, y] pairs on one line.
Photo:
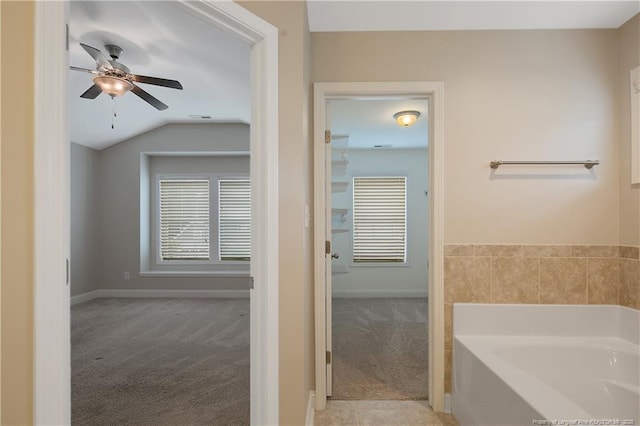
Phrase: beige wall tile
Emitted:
{"points": [[458, 249], [563, 280], [628, 252], [498, 250], [448, 325], [457, 273], [475, 287], [514, 280], [630, 283], [546, 251], [602, 281], [448, 366], [594, 251]]}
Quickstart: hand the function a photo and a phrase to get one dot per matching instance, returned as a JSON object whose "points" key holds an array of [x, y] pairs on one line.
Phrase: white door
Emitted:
{"points": [[328, 217]]}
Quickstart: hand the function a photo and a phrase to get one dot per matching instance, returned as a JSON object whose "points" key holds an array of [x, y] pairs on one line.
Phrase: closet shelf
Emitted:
{"points": [[339, 230], [339, 186], [339, 167], [341, 213]]}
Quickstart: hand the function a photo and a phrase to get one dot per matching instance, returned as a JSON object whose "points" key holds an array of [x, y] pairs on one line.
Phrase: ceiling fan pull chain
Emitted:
{"points": [[113, 109]]}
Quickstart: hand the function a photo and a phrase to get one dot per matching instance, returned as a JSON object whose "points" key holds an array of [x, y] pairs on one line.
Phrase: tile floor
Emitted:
{"points": [[381, 413]]}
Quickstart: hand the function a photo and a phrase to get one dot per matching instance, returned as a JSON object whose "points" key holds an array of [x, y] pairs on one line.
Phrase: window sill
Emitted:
{"points": [[222, 274]]}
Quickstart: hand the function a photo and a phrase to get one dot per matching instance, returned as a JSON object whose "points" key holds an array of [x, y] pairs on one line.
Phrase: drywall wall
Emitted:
{"points": [[509, 95], [296, 357], [84, 241], [119, 202], [628, 59], [394, 280], [17, 212]]}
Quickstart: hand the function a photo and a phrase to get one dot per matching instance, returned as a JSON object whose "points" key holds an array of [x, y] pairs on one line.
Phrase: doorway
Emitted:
{"points": [[325, 93], [51, 161], [379, 228]]}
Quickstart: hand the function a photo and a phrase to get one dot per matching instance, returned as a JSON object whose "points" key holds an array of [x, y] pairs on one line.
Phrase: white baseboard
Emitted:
{"points": [[378, 293], [311, 409], [85, 297], [447, 403], [120, 293]]}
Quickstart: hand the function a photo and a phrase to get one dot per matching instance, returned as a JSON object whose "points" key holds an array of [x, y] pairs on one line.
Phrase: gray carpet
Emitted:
{"points": [[160, 362], [380, 348]]}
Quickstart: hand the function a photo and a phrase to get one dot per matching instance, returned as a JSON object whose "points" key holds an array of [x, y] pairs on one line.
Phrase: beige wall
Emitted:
{"points": [[17, 212], [296, 325], [628, 58], [515, 95], [307, 123], [528, 95]]}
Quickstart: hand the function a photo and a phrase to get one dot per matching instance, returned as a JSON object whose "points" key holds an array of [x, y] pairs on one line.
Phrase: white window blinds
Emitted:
{"points": [[379, 219], [235, 219], [184, 219]]}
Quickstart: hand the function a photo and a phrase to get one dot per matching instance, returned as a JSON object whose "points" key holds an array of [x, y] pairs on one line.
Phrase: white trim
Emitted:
{"points": [[161, 293], [52, 351], [311, 409], [85, 297], [158, 293], [434, 91], [447, 403], [348, 294], [51, 164], [219, 274]]}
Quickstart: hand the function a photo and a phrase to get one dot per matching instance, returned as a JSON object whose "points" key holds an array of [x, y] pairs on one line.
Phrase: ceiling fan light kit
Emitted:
{"points": [[115, 79], [113, 85]]}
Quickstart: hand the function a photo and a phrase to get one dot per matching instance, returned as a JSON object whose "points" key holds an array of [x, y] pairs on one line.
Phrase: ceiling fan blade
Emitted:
{"points": [[92, 92], [98, 56], [174, 84], [148, 98], [83, 70]]}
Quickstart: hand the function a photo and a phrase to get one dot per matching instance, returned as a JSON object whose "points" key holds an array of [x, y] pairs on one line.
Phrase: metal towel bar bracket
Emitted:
{"points": [[587, 163]]}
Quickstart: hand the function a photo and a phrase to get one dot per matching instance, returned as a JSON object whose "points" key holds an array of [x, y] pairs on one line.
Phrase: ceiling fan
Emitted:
{"points": [[115, 79]]}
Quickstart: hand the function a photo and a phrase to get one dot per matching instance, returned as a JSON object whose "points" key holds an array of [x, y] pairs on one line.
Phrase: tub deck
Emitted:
{"points": [[510, 369]]}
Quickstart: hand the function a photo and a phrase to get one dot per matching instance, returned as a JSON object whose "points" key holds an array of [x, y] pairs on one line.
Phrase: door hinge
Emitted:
{"points": [[328, 357], [327, 247], [67, 37], [327, 136], [68, 271], [251, 283]]}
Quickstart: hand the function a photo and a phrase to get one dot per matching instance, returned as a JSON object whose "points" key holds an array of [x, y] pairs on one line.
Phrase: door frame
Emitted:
{"points": [[52, 355], [433, 91]]}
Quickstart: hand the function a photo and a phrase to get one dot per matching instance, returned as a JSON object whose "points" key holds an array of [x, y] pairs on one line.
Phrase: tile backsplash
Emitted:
{"points": [[545, 274]]}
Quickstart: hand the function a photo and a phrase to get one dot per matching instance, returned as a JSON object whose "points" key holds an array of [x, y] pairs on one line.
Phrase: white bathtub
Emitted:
{"points": [[525, 364]]}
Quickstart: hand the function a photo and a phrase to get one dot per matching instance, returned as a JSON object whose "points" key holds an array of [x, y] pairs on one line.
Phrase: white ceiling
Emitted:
{"points": [[162, 39], [370, 122], [423, 15]]}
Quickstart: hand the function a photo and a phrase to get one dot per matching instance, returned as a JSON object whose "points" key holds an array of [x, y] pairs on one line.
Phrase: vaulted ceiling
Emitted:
{"points": [[163, 39]]}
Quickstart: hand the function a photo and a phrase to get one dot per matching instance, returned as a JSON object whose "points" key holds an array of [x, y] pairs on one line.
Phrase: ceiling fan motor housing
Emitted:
{"points": [[113, 50]]}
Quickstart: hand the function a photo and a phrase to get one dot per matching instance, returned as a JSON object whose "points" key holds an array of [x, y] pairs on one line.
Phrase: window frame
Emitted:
{"points": [[380, 264], [213, 264]]}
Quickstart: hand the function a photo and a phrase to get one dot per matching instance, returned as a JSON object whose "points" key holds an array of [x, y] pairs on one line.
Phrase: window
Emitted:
{"points": [[184, 219], [188, 209], [234, 219], [379, 219]]}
